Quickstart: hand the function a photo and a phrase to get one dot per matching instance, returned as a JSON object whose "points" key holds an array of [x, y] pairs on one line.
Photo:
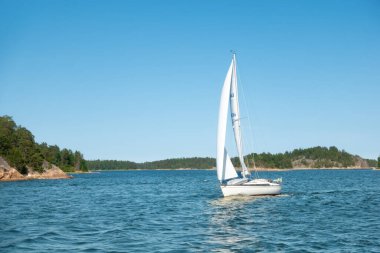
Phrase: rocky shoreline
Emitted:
{"points": [[50, 171]]}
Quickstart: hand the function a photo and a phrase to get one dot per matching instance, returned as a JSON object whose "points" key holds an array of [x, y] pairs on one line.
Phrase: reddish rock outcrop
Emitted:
{"points": [[7, 173], [50, 171]]}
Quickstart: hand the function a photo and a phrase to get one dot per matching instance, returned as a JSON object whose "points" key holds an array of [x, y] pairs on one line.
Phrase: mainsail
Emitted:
{"points": [[235, 117], [225, 169]]}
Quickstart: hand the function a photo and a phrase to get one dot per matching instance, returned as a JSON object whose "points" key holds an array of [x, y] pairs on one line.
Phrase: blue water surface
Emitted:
{"points": [[184, 211]]}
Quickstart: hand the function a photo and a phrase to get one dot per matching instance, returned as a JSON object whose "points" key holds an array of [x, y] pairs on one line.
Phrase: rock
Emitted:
{"points": [[7, 173], [50, 171], [13, 174], [4, 164], [54, 172], [360, 162]]}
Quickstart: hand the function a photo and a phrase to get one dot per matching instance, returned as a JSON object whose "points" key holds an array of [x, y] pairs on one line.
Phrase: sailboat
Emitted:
{"points": [[230, 182]]}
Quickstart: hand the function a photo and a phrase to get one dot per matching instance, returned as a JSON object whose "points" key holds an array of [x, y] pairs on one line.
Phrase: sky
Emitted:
{"points": [[141, 80]]}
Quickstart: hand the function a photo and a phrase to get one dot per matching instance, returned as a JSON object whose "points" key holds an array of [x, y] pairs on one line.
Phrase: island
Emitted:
{"points": [[308, 158], [21, 158]]}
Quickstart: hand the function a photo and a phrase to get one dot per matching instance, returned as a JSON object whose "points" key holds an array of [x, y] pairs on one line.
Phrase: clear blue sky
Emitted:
{"points": [[141, 80]]}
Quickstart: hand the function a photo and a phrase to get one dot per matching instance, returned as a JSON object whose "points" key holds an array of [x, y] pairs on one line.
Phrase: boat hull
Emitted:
{"points": [[250, 190]]}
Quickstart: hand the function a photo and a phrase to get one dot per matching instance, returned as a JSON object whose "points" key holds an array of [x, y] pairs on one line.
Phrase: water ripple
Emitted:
{"points": [[183, 211]]}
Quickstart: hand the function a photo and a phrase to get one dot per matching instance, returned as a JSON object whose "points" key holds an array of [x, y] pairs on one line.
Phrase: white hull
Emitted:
{"points": [[250, 190]]}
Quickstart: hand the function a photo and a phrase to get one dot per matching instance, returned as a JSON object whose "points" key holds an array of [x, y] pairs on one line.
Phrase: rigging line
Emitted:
{"points": [[249, 123]]}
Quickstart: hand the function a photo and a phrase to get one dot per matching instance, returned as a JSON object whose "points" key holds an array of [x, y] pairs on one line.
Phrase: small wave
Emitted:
{"points": [[346, 191], [50, 233], [185, 211]]}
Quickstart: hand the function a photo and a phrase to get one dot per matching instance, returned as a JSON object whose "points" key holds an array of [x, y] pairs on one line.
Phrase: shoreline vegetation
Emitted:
{"points": [[238, 169], [21, 158], [298, 159]]}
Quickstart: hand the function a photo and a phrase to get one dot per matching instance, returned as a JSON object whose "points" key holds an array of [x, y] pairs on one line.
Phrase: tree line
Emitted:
{"points": [[176, 163], [315, 157], [19, 149]]}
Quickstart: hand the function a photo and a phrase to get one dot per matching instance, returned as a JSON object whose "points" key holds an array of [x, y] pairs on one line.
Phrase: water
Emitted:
{"points": [[183, 211]]}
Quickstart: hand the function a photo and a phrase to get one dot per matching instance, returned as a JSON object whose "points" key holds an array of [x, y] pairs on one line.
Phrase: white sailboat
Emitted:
{"points": [[230, 182]]}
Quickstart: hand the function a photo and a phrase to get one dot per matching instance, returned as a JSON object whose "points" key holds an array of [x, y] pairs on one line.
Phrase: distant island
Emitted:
{"points": [[315, 157], [22, 158]]}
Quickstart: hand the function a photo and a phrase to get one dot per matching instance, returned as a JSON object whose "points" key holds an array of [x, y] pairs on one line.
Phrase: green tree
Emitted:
{"points": [[18, 147], [77, 160], [16, 160], [7, 129], [36, 161], [30, 152], [67, 157]]}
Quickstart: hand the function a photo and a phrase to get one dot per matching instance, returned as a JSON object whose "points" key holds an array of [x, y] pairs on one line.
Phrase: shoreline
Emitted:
{"points": [[80, 172], [70, 176], [257, 169], [26, 178]]}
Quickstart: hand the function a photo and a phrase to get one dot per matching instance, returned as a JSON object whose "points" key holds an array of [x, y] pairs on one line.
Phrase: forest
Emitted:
{"points": [[176, 163], [316, 157], [19, 149]]}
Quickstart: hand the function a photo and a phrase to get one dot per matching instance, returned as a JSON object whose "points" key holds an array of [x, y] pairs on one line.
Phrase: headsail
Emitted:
{"points": [[225, 169]]}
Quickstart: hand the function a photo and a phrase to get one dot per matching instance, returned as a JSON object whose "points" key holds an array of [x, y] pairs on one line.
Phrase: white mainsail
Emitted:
{"points": [[235, 117], [225, 169]]}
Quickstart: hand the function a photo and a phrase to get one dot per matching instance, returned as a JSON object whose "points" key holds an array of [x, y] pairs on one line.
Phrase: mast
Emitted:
{"points": [[235, 116]]}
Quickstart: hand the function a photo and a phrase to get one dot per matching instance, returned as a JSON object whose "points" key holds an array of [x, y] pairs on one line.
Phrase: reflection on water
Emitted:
{"points": [[223, 229], [241, 199], [231, 216]]}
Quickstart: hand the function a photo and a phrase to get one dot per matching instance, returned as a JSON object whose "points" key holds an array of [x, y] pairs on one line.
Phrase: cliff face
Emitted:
{"points": [[361, 163], [50, 171], [316, 163], [7, 173]]}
